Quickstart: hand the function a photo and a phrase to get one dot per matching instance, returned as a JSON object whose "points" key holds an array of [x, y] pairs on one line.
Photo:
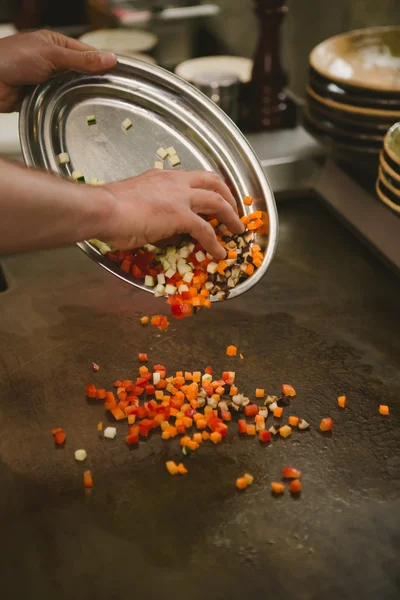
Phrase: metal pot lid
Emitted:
{"points": [[165, 111]]}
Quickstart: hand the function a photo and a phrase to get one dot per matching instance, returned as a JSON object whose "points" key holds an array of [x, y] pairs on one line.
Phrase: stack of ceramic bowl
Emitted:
{"points": [[353, 93], [388, 183]]}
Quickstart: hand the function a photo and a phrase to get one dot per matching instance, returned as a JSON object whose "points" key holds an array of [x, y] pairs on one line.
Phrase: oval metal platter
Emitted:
{"points": [[165, 111]]}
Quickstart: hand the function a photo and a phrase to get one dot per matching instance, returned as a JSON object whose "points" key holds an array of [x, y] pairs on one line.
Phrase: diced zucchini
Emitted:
{"points": [[127, 124], [207, 377], [170, 273], [93, 181], [212, 268], [184, 252], [159, 290], [78, 176], [208, 285], [161, 278], [158, 165], [63, 158], [191, 246], [174, 160], [149, 281], [171, 151], [184, 268], [91, 120], [171, 250], [101, 246], [200, 256], [162, 153], [170, 289], [166, 265], [187, 278], [183, 288]]}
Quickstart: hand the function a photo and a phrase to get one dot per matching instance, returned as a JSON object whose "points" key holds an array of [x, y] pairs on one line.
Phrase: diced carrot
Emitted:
{"points": [[87, 479], [249, 269], [260, 393], [182, 470], [101, 394], [285, 431], [293, 421], [231, 351], [342, 401], [184, 440], [326, 424], [241, 483], [253, 225], [255, 215], [192, 445], [244, 219], [173, 432], [257, 262], [214, 222], [197, 437], [250, 410], [255, 248], [232, 255], [248, 201], [215, 437], [251, 430], [226, 415], [144, 320], [295, 486], [288, 390], [278, 412], [91, 391], [291, 473], [165, 435], [110, 401], [171, 467], [118, 413], [383, 409], [205, 435], [277, 487], [222, 266], [131, 419]]}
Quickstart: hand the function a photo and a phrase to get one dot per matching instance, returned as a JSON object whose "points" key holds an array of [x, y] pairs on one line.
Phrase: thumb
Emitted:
{"points": [[89, 61]]}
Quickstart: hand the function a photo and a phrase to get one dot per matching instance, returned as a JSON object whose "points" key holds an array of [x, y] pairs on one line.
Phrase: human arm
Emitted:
{"points": [[38, 210]]}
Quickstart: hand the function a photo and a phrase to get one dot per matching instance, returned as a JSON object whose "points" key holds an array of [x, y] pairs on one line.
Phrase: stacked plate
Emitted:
{"points": [[388, 183], [353, 92]]}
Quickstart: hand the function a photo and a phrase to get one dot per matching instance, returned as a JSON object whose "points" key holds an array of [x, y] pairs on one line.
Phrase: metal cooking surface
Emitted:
{"points": [[325, 319], [165, 111]]}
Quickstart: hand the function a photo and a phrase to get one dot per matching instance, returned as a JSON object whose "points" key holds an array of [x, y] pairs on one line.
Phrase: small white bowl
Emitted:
{"points": [[239, 65]]}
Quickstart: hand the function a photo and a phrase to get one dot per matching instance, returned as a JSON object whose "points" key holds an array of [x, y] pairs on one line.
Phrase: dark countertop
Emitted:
{"points": [[325, 319]]}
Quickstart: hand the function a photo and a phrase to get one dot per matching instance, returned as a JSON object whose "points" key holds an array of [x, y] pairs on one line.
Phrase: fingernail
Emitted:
{"points": [[108, 59]]}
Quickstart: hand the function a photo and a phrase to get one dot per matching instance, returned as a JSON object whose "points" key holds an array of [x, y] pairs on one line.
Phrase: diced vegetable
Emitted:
{"points": [[277, 487], [80, 455], [78, 176], [143, 357], [285, 431], [87, 479], [326, 424], [291, 473], [342, 401], [249, 478], [59, 436], [293, 421], [171, 151], [149, 281], [127, 124], [162, 153], [144, 320], [100, 426], [231, 351], [158, 165], [278, 412], [95, 367], [288, 390], [383, 409], [295, 486], [63, 158], [174, 160], [110, 433], [91, 120], [241, 483], [303, 424], [248, 201], [260, 393], [264, 436]]}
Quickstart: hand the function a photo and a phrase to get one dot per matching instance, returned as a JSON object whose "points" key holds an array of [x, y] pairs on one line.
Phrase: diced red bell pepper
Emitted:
{"points": [[160, 368], [122, 396], [91, 391], [251, 410], [242, 426], [208, 388], [164, 323], [143, 357], [208, 370], [131, 410], [112, 256], [59, 436], [144, 431], [126, 265], [222, 428], [136, 272], [142, 412], [291, 473], [141, 382], [110, 401], [152, 405], [295, 486], [150, 389], [264, 436], [132, 439], [101, 394], [326, 424]]}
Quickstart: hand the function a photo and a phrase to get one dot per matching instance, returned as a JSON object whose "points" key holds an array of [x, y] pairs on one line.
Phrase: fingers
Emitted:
{"points": [[88, 61], [203, 232], [66, 42], [208, 180], [211, 203]]}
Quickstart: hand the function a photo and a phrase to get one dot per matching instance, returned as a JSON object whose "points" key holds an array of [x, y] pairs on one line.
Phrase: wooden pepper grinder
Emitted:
{"points": [[266, 105]]}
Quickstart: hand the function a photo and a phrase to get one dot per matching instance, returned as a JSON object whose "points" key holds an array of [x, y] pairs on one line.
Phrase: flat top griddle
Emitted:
{"points": [[325, 318]]}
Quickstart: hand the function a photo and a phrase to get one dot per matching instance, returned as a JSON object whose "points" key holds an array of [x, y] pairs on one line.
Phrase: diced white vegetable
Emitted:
{"points": [[212, 268], [149, 281], [209, 285], [207, 377], [303, 424], [162, 153], [230, 262], [170, 273], [127, 124], [93, 181], [170, 289], [63, 158], [171, 251], [183, 288], [212, 402], [101, 246], [184, 252], [156, 377], [273, 406], [110, 433], [273, 430], [80, 455], [151, 248], [161, 278], [159, 290], [260, 426], [187, 278], [173, 260], [200, 256], [100, 182], [263, 412], [191, 246], [166, 265], [171, 151], [78, 176], [174, 160], [184, 268], [208, 255], [158, 165]]}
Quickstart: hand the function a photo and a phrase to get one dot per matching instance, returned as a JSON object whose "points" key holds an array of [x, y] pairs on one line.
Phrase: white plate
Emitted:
{"points": [[121, 41], [239, 65]]}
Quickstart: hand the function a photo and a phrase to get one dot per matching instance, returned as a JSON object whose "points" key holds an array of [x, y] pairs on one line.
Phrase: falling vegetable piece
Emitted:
{"points": [[241, 483], [80, 455], [143, 357], [63, 158], [277, 487], [110, 433], [95, 366], [288, 390], [342, 401], [326, 424], [248, 201], [144, 320], [87, 479], [383, 409], [231, 351], [78, 176], [127, 124], [91, 120], [295, 486]]}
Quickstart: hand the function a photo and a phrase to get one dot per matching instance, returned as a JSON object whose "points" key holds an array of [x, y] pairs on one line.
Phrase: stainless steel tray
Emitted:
{"points": [[165, 111]]}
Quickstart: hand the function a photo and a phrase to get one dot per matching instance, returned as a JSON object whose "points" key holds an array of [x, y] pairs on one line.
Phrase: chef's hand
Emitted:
{"points": [[159, 204], [32, 58]]}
